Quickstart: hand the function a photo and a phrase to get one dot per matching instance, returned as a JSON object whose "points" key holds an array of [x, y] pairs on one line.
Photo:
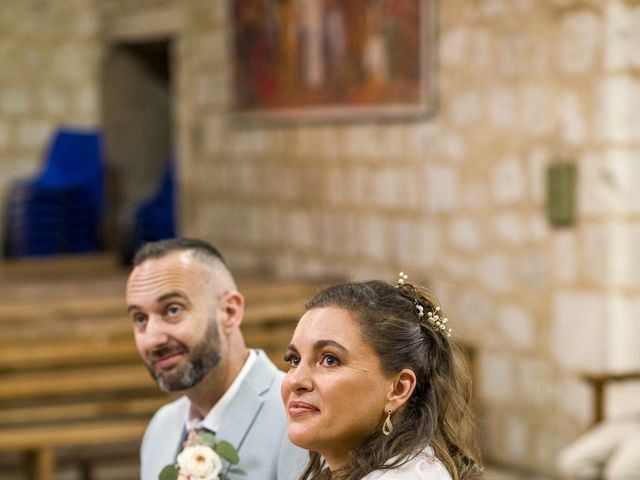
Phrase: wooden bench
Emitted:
{"points": [[598, 383], [71, 376]]}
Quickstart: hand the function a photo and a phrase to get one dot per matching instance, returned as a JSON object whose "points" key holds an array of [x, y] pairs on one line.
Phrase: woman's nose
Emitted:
{"points": [[299, 379]]}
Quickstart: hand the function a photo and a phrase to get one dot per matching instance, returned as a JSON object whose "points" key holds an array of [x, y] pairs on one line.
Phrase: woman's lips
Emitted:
{"points": [[297, 408]]}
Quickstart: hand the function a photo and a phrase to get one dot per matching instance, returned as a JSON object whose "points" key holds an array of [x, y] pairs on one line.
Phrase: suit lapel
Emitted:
{"points": [[247, 403]]}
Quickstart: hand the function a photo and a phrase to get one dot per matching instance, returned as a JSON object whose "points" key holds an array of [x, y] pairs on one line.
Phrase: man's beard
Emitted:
{"points": [[204, 357]]}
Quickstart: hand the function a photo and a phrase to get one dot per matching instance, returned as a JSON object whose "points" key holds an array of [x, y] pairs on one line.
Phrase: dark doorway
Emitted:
{"points": [[138, 131]]}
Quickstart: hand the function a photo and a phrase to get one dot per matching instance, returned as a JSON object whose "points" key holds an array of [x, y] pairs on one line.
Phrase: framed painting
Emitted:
{"points": [[327, 59]]}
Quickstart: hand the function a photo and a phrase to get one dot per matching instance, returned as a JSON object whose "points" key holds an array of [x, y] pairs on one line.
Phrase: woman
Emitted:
{"points": [[374, 390]]}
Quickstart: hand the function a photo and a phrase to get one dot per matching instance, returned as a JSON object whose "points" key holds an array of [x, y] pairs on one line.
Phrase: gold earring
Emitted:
{"points": [[387, 427]]}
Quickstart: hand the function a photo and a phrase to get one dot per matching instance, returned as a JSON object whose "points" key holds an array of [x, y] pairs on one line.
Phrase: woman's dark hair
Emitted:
{"points": [[438, 413]]}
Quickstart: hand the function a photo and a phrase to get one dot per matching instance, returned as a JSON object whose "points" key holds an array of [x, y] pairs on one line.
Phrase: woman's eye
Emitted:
{"points": [[292, 360], [329, 360]]}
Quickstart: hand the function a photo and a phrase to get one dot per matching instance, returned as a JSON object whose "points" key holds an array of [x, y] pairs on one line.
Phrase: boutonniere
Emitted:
{"points": [[201, 458]]}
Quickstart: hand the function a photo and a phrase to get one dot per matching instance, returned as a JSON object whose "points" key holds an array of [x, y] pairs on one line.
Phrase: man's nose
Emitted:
{"points": [[154, 335]]}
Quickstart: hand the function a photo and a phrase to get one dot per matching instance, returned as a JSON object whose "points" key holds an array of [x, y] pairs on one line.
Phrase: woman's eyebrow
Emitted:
{"points": [[320, 344]]}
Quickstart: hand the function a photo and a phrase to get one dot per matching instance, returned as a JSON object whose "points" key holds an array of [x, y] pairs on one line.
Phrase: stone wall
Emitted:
{"points": [[49, 67], [457, 198]]}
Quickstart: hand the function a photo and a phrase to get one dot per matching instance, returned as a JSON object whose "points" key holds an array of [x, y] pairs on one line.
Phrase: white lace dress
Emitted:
{"points": [[424, 466]]}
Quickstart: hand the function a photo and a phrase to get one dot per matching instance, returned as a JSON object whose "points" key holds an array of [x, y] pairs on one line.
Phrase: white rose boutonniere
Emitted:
{"points": [[201, 459]]}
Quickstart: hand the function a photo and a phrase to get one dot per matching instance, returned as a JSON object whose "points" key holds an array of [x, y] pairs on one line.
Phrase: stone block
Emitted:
{"points": [[373, 234], [620, 108], [533, 269], [75, 62], [54, 100], [579, 333], [440, 188], [454, 46], [337, 185], [516, 437], [493, 8], [34, 135], [466, 108], [516, 326], [452, 146], [622, 36], [86, 101], [270, 223], [538, 158], [497, 377], [624, 333], [621, 400], [614, 258], [426, 244], [457, 268], [476, 312], [575, 399], [609, 183], [508, 181], [392, 140], [387, 187], [15, 101], [481, 49], [565, 258], [329, 145], [359, 181], [466, 234], [4, 135], [502, 107], [581, 34], [494, 271], [537, 110], [361, 142], [571, 117], [510, 228], [475, 196], [301, 234]]}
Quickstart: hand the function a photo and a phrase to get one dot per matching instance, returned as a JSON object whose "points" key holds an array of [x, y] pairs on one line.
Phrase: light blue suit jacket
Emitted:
{"points": [[254, 422]]}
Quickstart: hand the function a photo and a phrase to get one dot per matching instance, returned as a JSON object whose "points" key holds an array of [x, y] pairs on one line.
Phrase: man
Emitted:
{"points": [[186, 313]]}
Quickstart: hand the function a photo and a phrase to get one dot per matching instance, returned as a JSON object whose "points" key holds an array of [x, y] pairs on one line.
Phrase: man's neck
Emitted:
{"points": [[212, 387]]}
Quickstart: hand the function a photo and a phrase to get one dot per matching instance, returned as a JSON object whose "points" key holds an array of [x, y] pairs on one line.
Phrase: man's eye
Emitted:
{"points": [[292, 360], [139, 319], [329, 360], [174, 310]]}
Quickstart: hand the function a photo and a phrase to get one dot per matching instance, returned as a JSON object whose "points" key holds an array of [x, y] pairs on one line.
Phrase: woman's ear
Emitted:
{"points": [[404, 383], [232, 308]]}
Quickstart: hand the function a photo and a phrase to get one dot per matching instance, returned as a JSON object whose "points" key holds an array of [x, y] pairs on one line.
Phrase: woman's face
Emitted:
{"points": [[334, 392]]}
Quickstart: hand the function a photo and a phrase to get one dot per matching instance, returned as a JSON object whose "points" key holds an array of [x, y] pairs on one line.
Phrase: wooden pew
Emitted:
{"points": [[598, 383], [71, 376]]}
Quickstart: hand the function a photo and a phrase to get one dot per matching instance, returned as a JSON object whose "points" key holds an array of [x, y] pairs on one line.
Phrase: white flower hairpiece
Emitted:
{"points": [[434, 318]]}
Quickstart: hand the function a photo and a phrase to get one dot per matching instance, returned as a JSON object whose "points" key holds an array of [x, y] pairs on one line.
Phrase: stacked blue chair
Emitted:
{"points": [[155, 218], [59, 210]]}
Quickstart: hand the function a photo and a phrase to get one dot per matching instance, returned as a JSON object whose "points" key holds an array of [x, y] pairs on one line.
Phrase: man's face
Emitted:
{"points": [[173, 304]]}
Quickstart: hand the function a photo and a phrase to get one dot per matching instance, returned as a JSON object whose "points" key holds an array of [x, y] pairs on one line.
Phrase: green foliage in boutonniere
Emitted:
{"points": [[201, 458]]}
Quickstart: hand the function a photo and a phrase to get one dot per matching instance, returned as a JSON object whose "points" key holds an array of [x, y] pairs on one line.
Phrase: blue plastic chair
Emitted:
{"points": [[155, 218], [59, 210]]}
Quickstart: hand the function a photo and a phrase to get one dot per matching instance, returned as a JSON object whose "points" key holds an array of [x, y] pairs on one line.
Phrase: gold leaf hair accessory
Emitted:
{"points": [[434, 317]]}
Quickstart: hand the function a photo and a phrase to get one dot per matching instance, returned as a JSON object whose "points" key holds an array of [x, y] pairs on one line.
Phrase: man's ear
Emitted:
{"points": [[232, 307], [404, 383]]}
